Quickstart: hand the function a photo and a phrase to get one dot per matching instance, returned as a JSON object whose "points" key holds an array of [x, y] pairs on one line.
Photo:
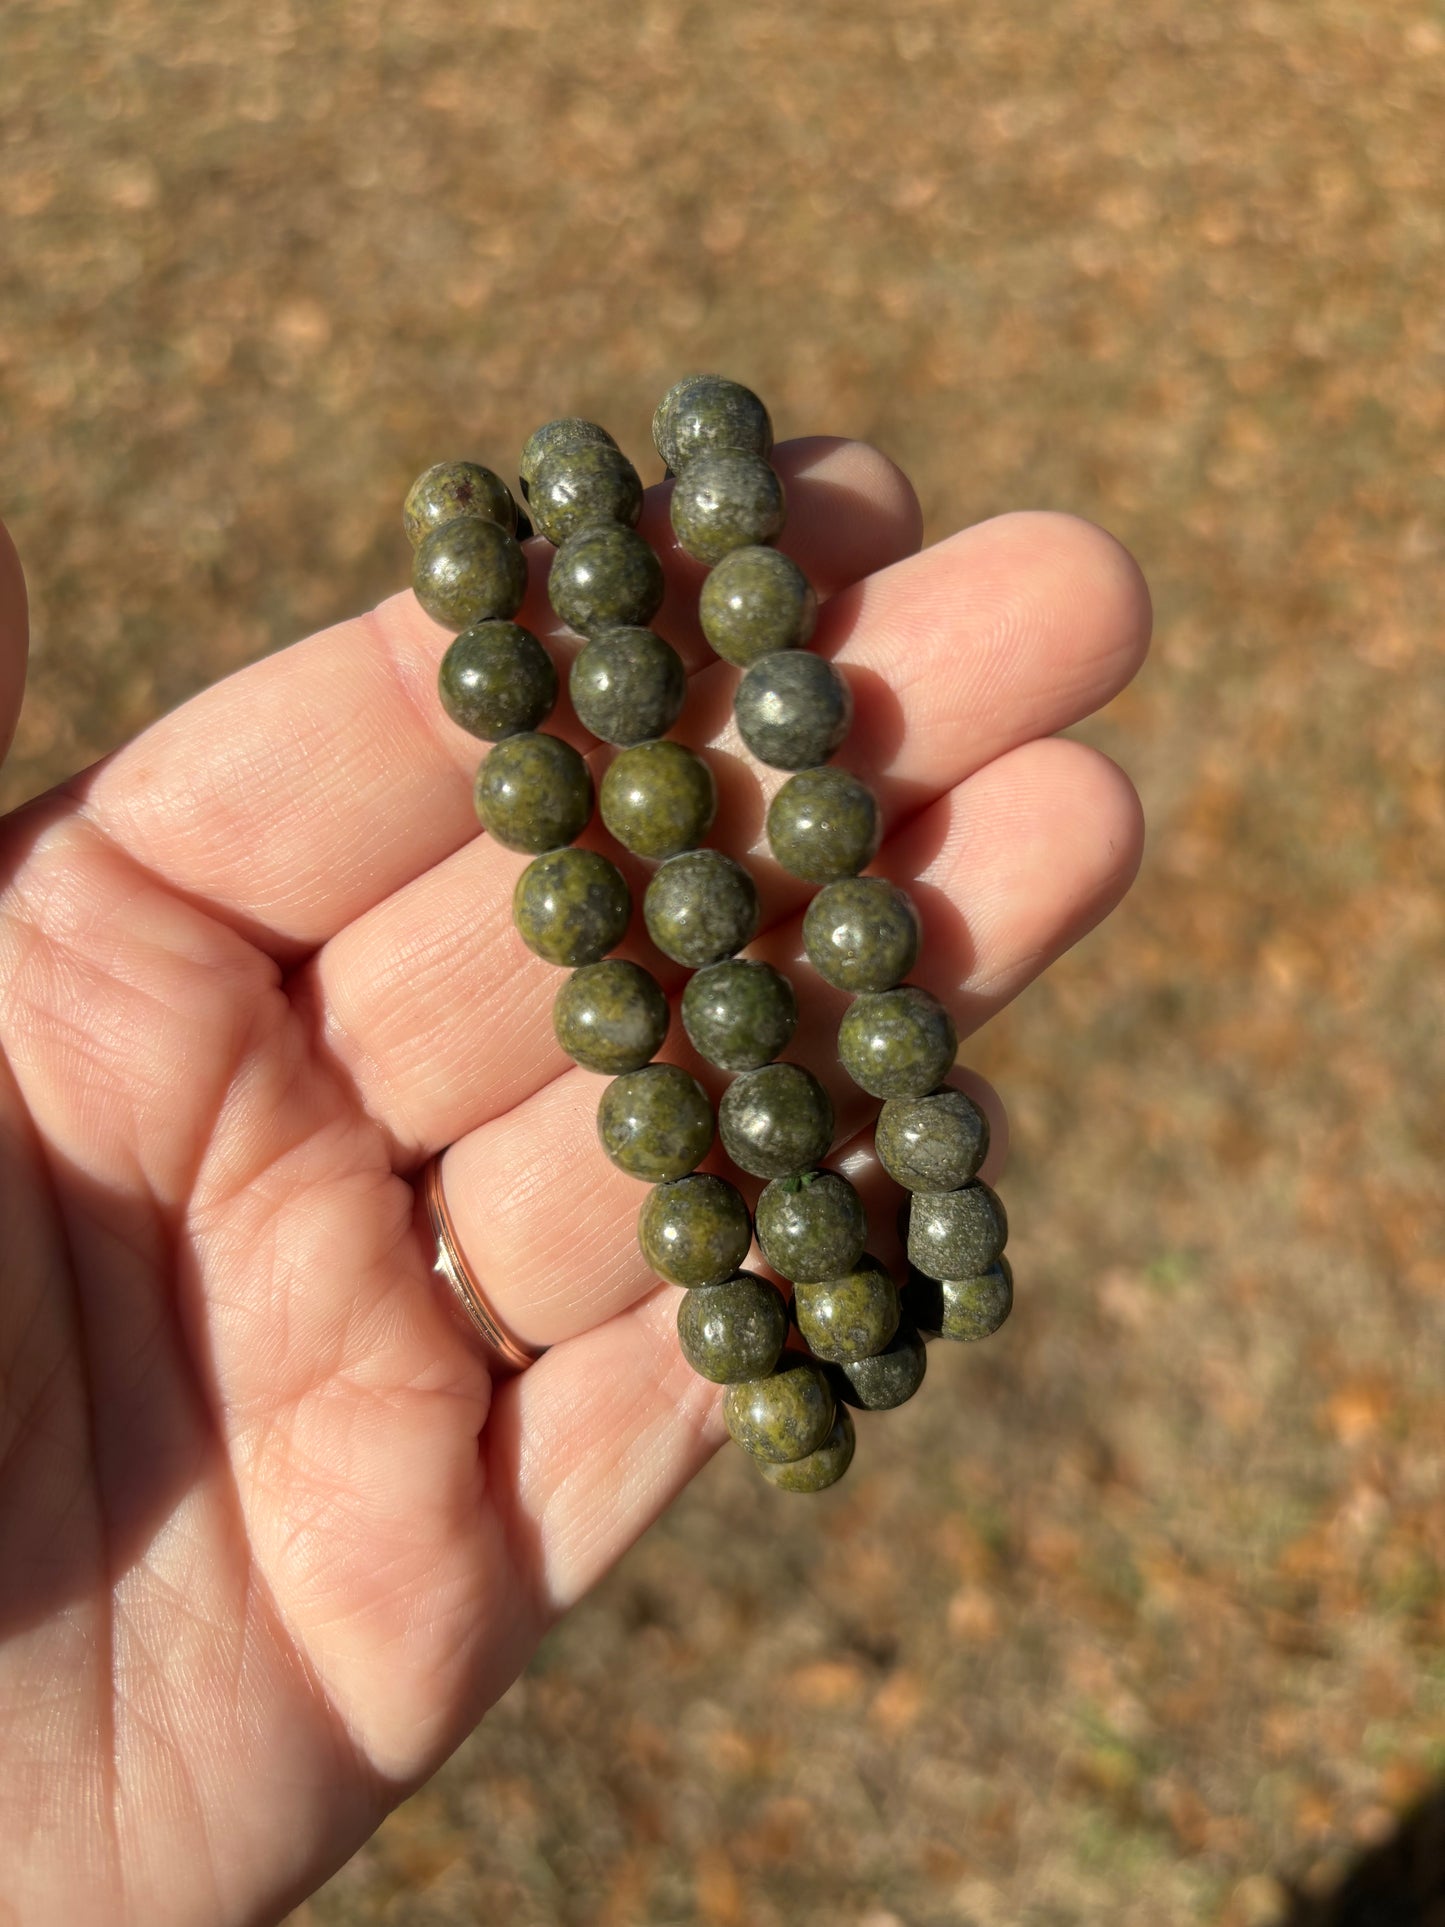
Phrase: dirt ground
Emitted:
{"points": [[1136, 1613]]}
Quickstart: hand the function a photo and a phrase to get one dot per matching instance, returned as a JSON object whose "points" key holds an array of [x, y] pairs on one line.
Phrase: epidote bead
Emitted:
{"points": [[724, 501], [739, 1014], [469, 570], [611, 1016], [862, 933], [700, 907], [571, 906], [496, 680], [932, 1143], [627, 686], [897, 1043], [605, 578], [824, 824], [792, 709], [734, 1330], [811, 1226], [450, 489], [704, 412], [533, 792], [655, 1123], [775, 1120], [956, 1234], [889, 1377], [852, 1316], [755, 602], [557, 438], [961, 1308], [695, 1230], [576, 488], [658, 799], [784, 1416], [816, 1471]]}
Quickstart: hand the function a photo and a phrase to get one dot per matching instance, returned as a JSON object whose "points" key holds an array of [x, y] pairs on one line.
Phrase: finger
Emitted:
{"points": [[14, 638]]}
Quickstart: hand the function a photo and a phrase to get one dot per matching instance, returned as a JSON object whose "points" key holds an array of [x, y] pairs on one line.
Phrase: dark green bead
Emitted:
{"points": [[469, 571], [734, 1330], [961, 1308], [956, 1234], [933, 1143], [655, 1123], [811, 1226], [704, 412], [658, 799], [611, 1017], [571, 906], [824, 824], [695, 1231], [852, 1316], [496, 680], [816, 1471], [534, 792], [739, 1014], [776, 1120], [628, 686], [793, 709], [605, 578], [890, 1377], [783, 1416], [700, 907], [862, 933], [726, 501], [897, 1043], [557, 438], [756, 601], [451, 489], [576, 488]]}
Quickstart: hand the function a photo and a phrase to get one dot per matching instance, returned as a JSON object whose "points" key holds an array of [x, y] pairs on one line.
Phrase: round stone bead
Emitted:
{"points": [[704, 412], [655, 1123], [558, 438], [862, 933], [852, 1316], [571, 907], [533, 792], [897, 1043], [776, 1120], [739, 1014], [793, 709], [611, 1017], [889, 1377], [605, 578], [469, 570], [816, 1471], [450, 489], [700, 907], [576, 488], [497, 680], [726, 501], [783, 1416], [961, 1308], [628, 686], [933, 1143], [734, 1330], [811, 1226], [755, 602], [695, 1231], [658, 799], [824, 824], [956, 1234]]}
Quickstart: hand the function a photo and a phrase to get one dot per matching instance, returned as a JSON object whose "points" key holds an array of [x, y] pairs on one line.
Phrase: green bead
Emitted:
{"points": [[655, 1123], [956, 1234], [658, 799], [739, 1014], [812, 1226], [816, 1471], [704, 412], [611, 1017], [556, 438], [726, 501], [695, 1231], [451, 489], [627, 686], [783, 1416], [578, 487], [776, 1120], [605, 578], [793, 709], [897, 1043], [468, 571], [889, 1378], [533, 792], [756, 601], [700, 907], [496, 680], [932, 1143], [571, 906], [734, 1330], [961, 1308], [862, 933], [824, 824], [852, 1316]]}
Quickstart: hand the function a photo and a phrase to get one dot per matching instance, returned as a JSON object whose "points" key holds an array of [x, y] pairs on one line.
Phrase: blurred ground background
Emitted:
{"points": [[1136, 1614]]}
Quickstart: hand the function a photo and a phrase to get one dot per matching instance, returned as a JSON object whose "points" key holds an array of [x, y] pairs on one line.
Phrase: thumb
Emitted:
{"points": [[14, 638]]}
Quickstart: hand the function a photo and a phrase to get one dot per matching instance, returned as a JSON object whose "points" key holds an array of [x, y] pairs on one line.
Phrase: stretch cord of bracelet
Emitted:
{"points": [[851, 1337]]}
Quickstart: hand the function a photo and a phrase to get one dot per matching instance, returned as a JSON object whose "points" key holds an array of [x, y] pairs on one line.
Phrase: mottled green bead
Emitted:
{"points": [[889, 1378], [816, 1471], [862, 933], [755, 602], [824, 824], [611, 1017], [852, 1316], [784, 1416], [733, 1331], [605, 578], [658, 799], [627, 686], [775, 1120], [932, 1143], [700, 907], [451, 489], [557, 438], [793, 709], [812, 1226], [695, 1231], [726, 501], [469, 571], [655, 1123], [578, 487], [956, 1234], [961, 1308], [704, 412], [739, 1014], [897, 1043], [571, 906], [534, 792], [497, 680]]}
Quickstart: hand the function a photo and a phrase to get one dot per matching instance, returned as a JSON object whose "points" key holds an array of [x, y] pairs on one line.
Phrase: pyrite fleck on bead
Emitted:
{"points": [[932, 1143], [811, 1226], [725, 501], [533, 792], [889, 1378], [847, 1317], [862, 934], [956, 1234], [816, 1471], [775, 1120], [700, 907], [497, 680], [655, 1123], [734, 1330], [701, 413], [783, 1416], [467, 571], [695, 1230], [658, 799], [627, 686], [793, 709], [577, 488], [739, 1014], [605, 578], [571, 906], [451, 489], [897, 1043], [611, 1016], [964, 1309], [557, 438], [756, 601], [824, 824]]}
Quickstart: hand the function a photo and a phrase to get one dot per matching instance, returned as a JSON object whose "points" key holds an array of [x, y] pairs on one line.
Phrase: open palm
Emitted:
{"points": [[271, 1539]]}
